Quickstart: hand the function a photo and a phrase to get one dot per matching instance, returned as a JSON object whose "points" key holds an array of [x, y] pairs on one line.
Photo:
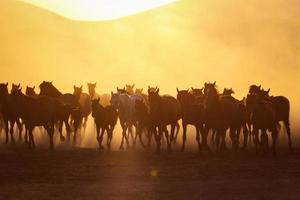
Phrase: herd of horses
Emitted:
{"points": [[147, 115]]}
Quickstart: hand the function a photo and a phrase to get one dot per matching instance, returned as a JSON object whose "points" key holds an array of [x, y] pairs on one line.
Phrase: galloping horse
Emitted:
{"points": [[69, 106], [193, 114], [105, 119], [36, 111], [126, 110], [165, 111], [85, 104]]}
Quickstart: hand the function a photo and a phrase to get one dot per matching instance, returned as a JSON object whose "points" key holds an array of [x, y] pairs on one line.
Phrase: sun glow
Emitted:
{"points": [[93, 10]]}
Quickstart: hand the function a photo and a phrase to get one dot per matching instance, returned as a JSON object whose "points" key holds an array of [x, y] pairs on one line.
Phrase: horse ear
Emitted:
{"points": [[118, 89], [133, 85], [33, 87], [214, 84], [6, 84], [148, 87], [268, 90], [51, 82], [142, 90], [201, 89], [205, 84], [111, 93], [259, 86], [19, 85], [192, 88], [123, 88], [74, 87], [177, 90], [81, 87], [98, 99], [157, 91]]}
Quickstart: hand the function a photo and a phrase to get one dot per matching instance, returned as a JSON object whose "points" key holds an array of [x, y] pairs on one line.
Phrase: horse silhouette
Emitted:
{"points": [[193, 114], [263, 118], [85, 104], [105, 119], [30, 91], [165, 111], [282, 110], [36, 111], [69, 106], [144, 121], [104, 98]]}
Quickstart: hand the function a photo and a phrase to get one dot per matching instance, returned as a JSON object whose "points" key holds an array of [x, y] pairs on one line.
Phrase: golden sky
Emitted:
{"points": [[182, 44]]}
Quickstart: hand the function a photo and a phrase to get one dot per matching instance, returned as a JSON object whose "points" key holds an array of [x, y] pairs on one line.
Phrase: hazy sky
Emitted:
{"points": [[97, 9]]}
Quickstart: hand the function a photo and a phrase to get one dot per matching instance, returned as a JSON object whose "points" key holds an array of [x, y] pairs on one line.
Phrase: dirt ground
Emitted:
{"points": [[77, 173]]}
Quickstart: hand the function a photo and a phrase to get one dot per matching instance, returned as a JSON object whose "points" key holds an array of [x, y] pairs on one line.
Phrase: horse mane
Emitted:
{"points": [[48, 89]]}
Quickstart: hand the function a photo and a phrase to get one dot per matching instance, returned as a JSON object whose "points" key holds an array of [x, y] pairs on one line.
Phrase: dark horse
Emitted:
{"points": [[36, 111], [193, 114], [144, 121], [165, 111], [70, 106], [9, 112], [30, 91], [85, 104], [105, 119], [263, 117]]}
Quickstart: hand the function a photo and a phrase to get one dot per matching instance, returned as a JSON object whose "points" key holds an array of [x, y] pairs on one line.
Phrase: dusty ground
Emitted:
{"points": [[88, 174]]}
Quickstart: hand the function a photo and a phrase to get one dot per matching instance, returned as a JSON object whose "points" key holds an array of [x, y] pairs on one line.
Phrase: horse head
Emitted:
{"points": [[196, 91], [30, 91], [254, 89], [185, 97], [77, 91], [228, 91], [92, 88], [138, 90], [210, 88], [15, 87], [122, 90], [153, 96], [129, 88], [265, 93], [114, 100], [3, 90]]}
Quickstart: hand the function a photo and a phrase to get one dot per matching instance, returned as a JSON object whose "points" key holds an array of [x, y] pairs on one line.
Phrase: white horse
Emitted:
{"points": [[126, 109]]}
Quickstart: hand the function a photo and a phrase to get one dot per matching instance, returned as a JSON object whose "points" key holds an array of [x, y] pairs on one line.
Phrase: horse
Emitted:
{"points": [[104, 98], [105, 119], [144, 121], [126, 111], [263, 117], [85, 104], [30, 91], [193, 114], [69, 107], [36, 111], [13, 109], [282, 107], [165, 110], [214, 115]]}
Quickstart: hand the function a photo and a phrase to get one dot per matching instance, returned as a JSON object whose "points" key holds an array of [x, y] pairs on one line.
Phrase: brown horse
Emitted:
{"points": [[165, 111], [193, 114], [36, 111], [85, 104], [263, 117], [105, 119], [282, 107], [69, 106], [129, 89], [144, 121]]}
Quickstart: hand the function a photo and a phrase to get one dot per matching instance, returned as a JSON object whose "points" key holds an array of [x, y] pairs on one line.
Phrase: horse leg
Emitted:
{"points": [[20, 128], [140, 138], [68, 129], [233, 137], [101, 138], [256, 140], [60, 125], [6, 130], [264, 140], [158, 140], [184, 126], [11, 131], [288, 131], [274, 139], [177, 131], [213, 136], [198, 137], [98, 135], [149, 133], [245, 133], [30, 130]]}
